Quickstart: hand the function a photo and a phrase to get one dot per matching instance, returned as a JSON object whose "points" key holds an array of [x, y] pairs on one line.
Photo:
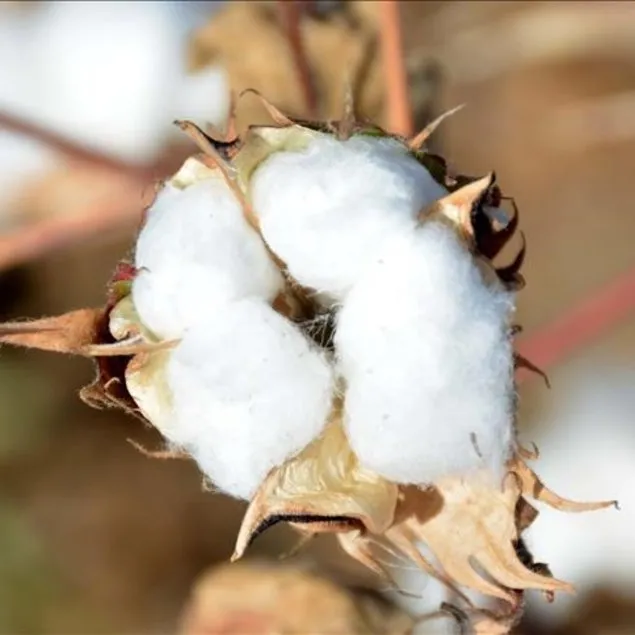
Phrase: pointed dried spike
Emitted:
{"points": [[458, 205], [68, 333], [209, 146], [509, 273], [278, 117], [415, 143], [520, 361], [530, 455], [534, 487], [158, 454], [130, 346], [462, 573], [503, 565], [493, 244]]}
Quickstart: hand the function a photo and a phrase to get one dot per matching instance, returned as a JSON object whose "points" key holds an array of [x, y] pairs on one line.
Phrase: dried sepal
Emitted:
{"points": [[520, 361], [510, 274], [491, 244], [457, 208], [147, 383], [418, 141], [276, 115], [474, 526], [323, 489], [533, 487], [74, 332]]}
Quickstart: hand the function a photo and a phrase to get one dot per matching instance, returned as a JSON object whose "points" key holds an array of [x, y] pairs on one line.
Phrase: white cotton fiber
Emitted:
{"points": [[327, 210], [423, 346], [195, 252], [248, 391]]}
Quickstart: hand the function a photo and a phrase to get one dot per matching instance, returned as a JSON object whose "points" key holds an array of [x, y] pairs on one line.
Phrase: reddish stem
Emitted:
{"points": [[291, 15], [399, 111], [579, 326]]}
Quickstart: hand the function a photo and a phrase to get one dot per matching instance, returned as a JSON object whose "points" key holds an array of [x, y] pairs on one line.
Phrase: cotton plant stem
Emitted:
{"points": [[69, 149], [582, 324], [399, 110], [291, 16]]}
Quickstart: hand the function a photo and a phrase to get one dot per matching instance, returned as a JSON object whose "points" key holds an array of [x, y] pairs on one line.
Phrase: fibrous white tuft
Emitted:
{"points": [[248, 392], [424, 348], [327, 210], [196, 252]]}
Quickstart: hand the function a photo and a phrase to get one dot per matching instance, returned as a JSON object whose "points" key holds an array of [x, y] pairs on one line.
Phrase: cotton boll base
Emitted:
{"points": [[195, 252], [424, 348], [327, 210], [248, 392]]}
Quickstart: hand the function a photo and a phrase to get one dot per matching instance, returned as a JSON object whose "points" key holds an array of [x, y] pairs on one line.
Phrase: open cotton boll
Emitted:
{"points": [[249, 391], [103, 73], [423, 346], [327, 210], [196, 251]]}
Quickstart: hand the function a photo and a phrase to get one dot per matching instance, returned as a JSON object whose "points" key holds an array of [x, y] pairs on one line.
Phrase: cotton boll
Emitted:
{"points": [[195, 252], [327, 210], [204, 96], [423, 346], [106, 71], [248, 391], [587, 445]]}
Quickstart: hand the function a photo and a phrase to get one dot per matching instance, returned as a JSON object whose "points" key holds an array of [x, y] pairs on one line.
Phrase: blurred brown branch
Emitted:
{"points": [[395, 76], [291, 16]]}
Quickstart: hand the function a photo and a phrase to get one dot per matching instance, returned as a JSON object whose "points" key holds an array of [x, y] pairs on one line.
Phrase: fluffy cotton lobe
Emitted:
{"points": [[197, 252], [248, 392], [423, 345], [327, 210]]}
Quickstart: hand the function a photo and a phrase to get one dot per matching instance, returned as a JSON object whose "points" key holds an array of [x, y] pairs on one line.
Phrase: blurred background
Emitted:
{"points": [[95, 537]]}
